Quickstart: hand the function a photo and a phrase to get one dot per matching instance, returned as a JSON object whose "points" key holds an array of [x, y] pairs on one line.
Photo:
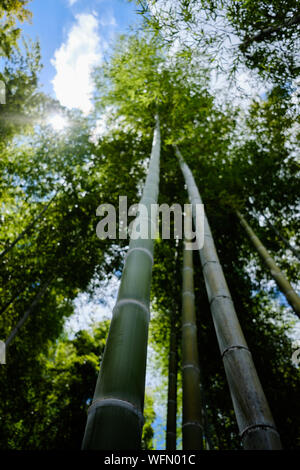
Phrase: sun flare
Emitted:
{"points": [[57, 122]]}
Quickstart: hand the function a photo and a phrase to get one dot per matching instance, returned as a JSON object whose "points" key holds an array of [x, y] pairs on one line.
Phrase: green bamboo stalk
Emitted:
{"points": [[192, 427], [28, 228], [286, 242], [172, 391], [254, 418], [28, 311], [11, 301], [115, 417], [278, 276]]}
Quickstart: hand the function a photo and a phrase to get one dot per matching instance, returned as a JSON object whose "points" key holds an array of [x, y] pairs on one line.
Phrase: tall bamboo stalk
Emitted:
{"points": [[28, 228], [192, 428], [286, 242], [28, 311], [172, 390], [11, 301], [115, 417], [278, 276], [254, 418]]}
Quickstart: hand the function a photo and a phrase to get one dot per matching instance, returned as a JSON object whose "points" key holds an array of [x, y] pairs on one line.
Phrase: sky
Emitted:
{"points": [[75, 36]]}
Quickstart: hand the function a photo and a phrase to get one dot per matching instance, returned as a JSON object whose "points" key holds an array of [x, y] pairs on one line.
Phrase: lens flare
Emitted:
{"points": [[57, 122]]}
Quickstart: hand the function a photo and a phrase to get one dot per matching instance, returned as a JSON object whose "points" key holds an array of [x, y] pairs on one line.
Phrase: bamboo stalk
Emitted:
{"points": [[278, 276], [28, 311], [287, 243], [254, 418], [192, 427], [267, 32], [28, 228], [11, 301], [172, 392], [115, 417]]}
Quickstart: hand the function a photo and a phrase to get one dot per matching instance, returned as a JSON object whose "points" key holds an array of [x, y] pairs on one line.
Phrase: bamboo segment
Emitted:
{"points": [[172, 393], [192, 431], [115, 418], [254, 418], [279, 277]]}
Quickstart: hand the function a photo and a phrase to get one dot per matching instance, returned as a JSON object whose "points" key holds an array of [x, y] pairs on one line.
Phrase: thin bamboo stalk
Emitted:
{"points": [[11, 301], [115, 417], [28, 228], [286, 242], [172, 391], [254, 418], [192, 427], [28, 311], [277, 274]]}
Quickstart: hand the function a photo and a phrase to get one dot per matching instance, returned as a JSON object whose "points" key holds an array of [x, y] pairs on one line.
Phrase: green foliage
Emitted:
{"points": [[263, 35], [23, 102], [268, 31], [66, 373], [149, 416], [239, 159], [11, 12]]}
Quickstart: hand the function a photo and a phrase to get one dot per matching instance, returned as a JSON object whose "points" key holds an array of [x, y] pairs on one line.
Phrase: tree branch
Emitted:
{"points": [[263, 34]]}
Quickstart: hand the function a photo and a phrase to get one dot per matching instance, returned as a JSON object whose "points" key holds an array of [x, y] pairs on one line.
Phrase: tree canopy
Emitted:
{"points": [[262, 35]]}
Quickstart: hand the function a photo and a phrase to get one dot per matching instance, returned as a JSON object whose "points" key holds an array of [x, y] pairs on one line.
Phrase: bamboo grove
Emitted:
{"points": [[218, 318]]}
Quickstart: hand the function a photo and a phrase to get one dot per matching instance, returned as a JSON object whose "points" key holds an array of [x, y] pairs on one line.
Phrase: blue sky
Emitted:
{"points": [[76, 35]]}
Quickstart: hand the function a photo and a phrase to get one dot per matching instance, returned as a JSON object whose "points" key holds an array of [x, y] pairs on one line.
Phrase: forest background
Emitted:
{"points": [[224, 78]]}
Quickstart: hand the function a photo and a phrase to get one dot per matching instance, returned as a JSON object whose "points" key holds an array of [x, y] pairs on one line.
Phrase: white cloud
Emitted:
{"points": [[74, 61], [72, 2], [108, 20]]}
